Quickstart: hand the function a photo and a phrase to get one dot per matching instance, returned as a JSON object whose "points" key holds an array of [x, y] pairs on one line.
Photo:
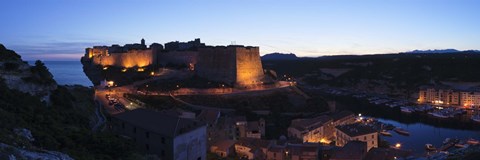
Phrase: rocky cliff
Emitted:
{"points": [[58, 129], [18, 75]]}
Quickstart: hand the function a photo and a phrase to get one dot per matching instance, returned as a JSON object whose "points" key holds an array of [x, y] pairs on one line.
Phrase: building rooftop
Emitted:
{"points": [[339, 115], [254, 142], [161, 123], [356, 129], [307, 124], [299, 149], [387, 153], [352, 150], [209, 116], [277, 149], [223, 145]]}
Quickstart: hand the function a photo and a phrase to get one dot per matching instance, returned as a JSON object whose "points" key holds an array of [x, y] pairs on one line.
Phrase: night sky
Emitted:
{"points": [[61, 29]]}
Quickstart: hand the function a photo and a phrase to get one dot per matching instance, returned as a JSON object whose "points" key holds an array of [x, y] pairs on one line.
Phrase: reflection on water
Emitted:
{"points": [[421, 134], [422, 127]]}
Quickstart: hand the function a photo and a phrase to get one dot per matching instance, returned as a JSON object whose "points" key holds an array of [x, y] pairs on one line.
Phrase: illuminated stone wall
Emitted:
{"points": [[249, 69], [132, 58], [235, 65], [217, 64]]}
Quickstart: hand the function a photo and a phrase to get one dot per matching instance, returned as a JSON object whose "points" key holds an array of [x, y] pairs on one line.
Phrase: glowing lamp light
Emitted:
{"points": [[124, 70], [152, 73], [140, 69], [105, 68], [398, 145], [110, 83]]}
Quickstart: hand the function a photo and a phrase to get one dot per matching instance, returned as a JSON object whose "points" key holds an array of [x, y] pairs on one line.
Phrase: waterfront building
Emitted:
{"points": [[353, 150], [470, 98], [317, 129], [387, 153], [168, 136], [305, 151], [439, 95], [356, 132], [443, 95]]}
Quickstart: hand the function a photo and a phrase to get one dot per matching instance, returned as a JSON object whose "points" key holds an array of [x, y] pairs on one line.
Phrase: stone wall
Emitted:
{"points": [[132, 58], [217, 64], [177, 57], [249, 67], [234, 65]]}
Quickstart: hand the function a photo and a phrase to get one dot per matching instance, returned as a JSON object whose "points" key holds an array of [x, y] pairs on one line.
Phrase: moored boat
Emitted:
{"points": [[401, 131], [405, 110], [460, 145], [440, 115], [430, 147], [472, 141], [385, 133], [476, 118]]}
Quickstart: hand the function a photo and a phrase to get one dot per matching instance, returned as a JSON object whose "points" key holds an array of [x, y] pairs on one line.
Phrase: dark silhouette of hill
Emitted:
{"points": [[279, 56], [440, 51], [392, 71]]}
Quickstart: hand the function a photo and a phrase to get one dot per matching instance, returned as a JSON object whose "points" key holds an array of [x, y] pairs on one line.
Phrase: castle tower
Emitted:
{"points": [[142, 42]]}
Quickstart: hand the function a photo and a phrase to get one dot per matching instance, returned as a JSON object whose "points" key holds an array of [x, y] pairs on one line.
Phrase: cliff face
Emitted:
{"points": [[18, 75], [92, 71]]}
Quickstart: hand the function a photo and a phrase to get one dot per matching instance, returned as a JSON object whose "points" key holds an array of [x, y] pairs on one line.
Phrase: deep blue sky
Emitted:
{"points": [[61, 29]]}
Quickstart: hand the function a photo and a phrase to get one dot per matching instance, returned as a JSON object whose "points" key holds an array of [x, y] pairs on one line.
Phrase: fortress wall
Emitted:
{"points": [[177, 57], [249, 67], [139, 58], [217, 64]]}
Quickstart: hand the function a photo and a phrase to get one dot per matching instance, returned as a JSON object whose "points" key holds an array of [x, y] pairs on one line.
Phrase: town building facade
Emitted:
{"points": [[169, 137]]}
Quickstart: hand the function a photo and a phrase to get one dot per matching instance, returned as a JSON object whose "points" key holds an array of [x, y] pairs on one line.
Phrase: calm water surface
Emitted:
{"points": [[67, 72], [421, 134]]}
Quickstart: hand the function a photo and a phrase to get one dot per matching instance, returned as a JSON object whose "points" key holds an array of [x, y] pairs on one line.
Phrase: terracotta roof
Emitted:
{"points": [[356, 129], [161, 123], [223, 145]]}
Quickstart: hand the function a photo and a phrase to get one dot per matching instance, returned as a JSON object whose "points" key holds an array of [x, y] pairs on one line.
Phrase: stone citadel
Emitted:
{"points": [[235, 65]]}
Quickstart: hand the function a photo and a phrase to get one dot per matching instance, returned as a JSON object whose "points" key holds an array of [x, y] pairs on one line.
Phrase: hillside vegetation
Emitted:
{"points": [[401, 73], [62, 124]]}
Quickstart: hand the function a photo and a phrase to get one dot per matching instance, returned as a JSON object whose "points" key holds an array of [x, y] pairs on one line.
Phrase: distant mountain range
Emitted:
{"points": [[440, 51], [279, 56]]}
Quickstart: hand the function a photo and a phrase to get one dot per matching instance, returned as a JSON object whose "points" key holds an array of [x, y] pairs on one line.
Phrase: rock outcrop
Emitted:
{"points": [[19, 75]]}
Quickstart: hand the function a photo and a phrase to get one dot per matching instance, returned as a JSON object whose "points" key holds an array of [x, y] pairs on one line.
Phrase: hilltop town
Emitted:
{"points": [[221, 100]]}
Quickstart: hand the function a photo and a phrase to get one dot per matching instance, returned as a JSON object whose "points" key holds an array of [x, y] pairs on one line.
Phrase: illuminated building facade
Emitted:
{"points": [[448, 96], [318, 129], [235, 65], [356, 132]]}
